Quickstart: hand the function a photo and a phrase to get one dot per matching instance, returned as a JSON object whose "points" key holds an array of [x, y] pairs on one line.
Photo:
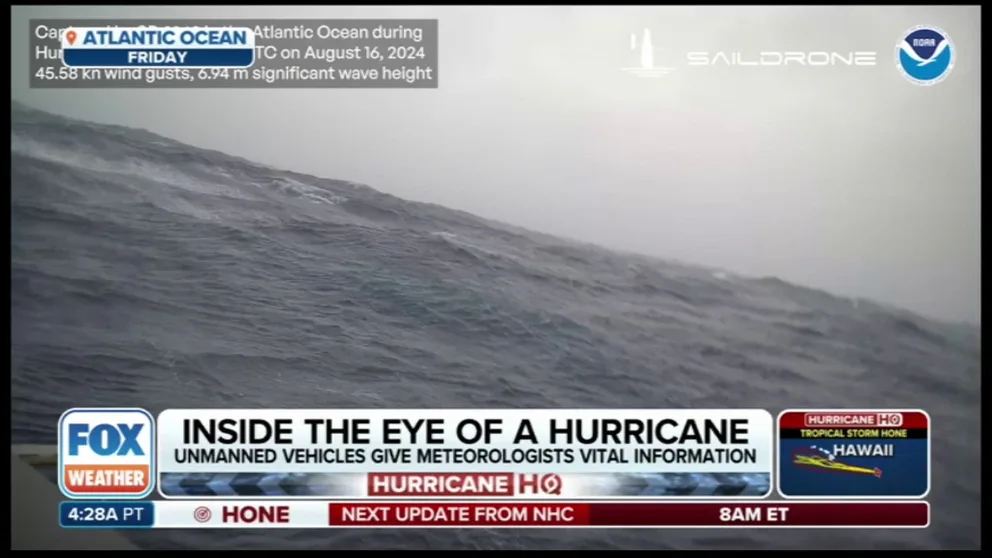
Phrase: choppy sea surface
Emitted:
{"points": [[150, 273]]}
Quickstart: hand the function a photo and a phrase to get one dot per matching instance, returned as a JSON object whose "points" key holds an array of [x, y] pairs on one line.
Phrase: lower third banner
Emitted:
{"points": [[303, 514]]}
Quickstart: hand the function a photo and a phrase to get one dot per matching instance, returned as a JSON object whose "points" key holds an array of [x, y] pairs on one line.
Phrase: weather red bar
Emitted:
{"points": [[854, 419], [631, 514]]}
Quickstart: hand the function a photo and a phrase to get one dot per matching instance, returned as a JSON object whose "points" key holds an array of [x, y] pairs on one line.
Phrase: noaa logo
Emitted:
{"points": [[925, 55]]}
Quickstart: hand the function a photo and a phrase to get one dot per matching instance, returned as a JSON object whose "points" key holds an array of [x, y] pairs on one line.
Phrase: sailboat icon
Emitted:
{"points": [[647, 68]]}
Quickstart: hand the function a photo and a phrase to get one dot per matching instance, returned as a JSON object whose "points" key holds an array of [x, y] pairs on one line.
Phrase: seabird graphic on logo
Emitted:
{"points": [[822, 461], [646, 69], [925, 55]]}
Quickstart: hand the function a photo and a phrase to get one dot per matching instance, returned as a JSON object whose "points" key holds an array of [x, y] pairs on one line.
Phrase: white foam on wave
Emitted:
{"points": [[134, 168], [722, 275], [306, 191]]}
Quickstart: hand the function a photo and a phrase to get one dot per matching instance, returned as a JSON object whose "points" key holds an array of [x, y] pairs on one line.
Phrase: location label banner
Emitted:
{"points": [[310, 514], [167, 47], [854, 454]]}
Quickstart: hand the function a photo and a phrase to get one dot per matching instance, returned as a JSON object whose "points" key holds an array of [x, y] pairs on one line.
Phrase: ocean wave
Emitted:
{"points": [[147, 272]]}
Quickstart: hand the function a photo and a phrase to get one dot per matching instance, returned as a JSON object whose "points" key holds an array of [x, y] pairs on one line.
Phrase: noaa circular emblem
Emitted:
{"points": [[925, 55]]}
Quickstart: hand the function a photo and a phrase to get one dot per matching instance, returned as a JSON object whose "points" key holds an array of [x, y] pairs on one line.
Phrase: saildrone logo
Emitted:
{"points": [[645, 55], [925, 55]]}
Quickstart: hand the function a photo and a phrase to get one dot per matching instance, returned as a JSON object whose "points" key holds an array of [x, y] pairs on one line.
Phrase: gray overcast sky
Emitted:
{"points": [[848, 179]]}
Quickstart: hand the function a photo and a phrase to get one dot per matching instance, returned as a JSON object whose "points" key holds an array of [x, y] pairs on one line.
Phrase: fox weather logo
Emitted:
{"points": [[925, 55]]}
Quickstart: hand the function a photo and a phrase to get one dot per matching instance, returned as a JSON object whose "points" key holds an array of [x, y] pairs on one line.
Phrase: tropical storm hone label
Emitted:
{"points": [[843, 453]]}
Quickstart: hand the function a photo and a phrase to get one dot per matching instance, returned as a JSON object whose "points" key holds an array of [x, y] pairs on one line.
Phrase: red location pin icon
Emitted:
{"points": [[71, 37]]}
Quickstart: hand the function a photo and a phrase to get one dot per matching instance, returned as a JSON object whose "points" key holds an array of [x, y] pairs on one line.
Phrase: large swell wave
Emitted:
{"points": [[151, 273]]}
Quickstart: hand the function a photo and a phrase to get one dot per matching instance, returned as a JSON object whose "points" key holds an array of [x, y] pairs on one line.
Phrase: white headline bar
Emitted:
{"points": [[449, 440]]}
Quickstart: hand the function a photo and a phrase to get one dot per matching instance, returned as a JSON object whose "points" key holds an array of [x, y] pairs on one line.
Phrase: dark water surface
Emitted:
{"points": [[150, 273]]}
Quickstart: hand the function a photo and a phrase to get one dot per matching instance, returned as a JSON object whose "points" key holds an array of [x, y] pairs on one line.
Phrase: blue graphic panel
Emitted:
{"points": [[854, 454]]}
